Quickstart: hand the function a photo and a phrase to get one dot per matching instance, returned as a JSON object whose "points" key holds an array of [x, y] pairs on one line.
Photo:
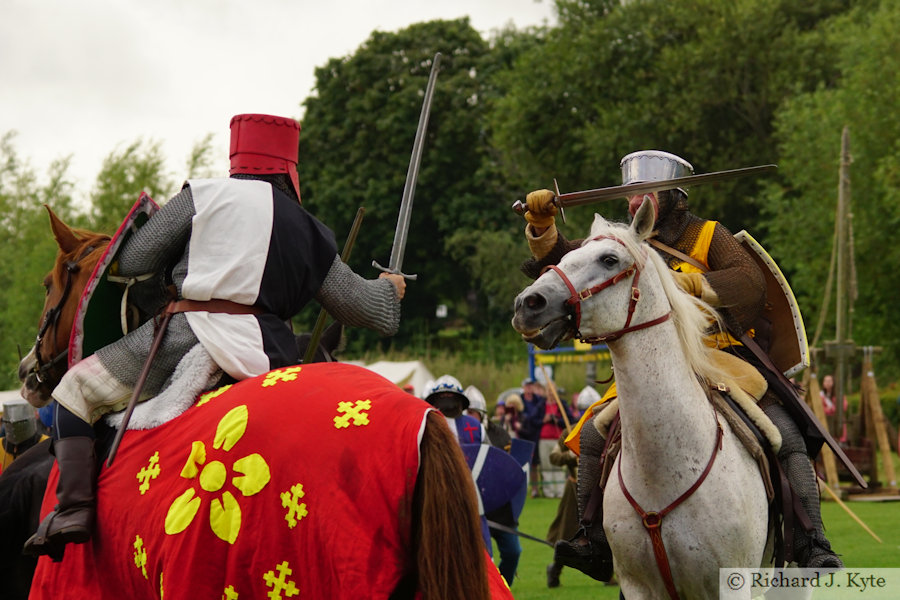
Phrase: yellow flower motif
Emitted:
{"points": [[224, 512], [213, 394]]}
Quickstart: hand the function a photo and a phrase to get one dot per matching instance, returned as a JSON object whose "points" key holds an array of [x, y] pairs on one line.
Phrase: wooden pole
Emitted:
{"points": [[552, 389], [841, 297], [850, 512], [869, 396]]}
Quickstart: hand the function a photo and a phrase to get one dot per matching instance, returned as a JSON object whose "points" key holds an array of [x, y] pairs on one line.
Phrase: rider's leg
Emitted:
{"points": [[813, 549], [73, 519], [589, 550]]}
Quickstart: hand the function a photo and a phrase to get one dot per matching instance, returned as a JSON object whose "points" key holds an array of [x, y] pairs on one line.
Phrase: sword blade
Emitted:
{"points": [[412, 175], [633, 189]]}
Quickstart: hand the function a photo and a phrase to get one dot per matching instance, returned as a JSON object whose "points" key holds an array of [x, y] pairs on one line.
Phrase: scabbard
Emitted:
{"points": [[802, 412]]}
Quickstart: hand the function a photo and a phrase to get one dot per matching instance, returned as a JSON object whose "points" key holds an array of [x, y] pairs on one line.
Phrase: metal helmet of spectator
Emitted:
{"points": [[586, 397], [446, 387], [20, 421], [265, 145], [476, 399]]}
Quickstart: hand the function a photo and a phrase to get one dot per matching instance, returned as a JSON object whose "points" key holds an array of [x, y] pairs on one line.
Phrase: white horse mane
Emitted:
{"points": [[692, 316]]}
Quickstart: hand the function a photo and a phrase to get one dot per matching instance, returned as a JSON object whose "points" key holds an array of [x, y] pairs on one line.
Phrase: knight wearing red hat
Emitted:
{"points": [[243, 256]]}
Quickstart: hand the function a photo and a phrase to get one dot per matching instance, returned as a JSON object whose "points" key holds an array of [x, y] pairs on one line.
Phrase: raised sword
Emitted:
{"points": [[412, 175], [647, 187]]}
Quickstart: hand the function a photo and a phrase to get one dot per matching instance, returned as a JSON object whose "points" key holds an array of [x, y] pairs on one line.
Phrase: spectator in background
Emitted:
{"points": [[507, 414], [21, 431], [508, 544], [531, 422], [556, 416], [565, 524], [829, 404]]}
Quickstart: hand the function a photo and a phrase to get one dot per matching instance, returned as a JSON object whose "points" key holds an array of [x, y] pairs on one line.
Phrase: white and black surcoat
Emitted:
{"points": [[245, 241]]}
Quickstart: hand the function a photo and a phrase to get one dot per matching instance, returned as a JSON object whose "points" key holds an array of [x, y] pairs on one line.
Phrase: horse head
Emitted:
{"points": [[78, 253], [587, 295]]}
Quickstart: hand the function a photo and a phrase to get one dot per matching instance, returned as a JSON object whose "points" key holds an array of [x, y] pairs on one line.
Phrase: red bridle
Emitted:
{"points": [[577, 298]]}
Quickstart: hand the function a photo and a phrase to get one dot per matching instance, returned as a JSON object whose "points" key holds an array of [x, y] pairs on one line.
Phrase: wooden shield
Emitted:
{"points": [[788, 347]]}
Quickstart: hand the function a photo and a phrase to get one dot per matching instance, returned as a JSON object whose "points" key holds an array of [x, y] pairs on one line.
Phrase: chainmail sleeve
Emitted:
{"points": [[359, 302], [160, 244], [533, 266], [736, 279]]}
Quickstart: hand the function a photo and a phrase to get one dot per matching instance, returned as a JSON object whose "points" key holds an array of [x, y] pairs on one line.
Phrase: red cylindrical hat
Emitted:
{"points": [[265, 145]]}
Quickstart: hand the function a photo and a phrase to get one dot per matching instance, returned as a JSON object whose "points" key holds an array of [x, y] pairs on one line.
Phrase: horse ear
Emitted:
{"points": [[598, 224], [65, 237], [644, 219]]}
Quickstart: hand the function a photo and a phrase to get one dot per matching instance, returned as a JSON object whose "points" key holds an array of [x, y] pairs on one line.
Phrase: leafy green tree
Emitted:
{"points": [[355, 144], [800, 214], [700, 78], [125, 173], [26, 239]]}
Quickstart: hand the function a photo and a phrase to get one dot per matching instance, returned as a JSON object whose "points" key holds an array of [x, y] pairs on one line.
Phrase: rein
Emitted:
{"points": [[42, 369], [577, 298], [653, 520]]}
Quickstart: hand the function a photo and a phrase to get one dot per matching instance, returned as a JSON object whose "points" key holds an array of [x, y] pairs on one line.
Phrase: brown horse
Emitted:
{"points": [[443, 555]]}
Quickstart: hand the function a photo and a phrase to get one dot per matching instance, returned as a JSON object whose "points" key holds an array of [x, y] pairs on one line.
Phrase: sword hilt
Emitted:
{"points": [[393, 271]]}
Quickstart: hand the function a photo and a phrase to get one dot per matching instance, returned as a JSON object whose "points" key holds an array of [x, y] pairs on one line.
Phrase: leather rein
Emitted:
{"points": [[576, 298], [42, 370]]}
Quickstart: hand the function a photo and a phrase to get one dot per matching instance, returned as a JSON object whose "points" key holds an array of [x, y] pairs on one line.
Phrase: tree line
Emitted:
{"points": [[724, 85]]}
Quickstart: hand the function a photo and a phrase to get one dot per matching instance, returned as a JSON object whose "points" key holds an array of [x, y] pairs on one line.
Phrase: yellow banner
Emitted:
{"points": [[572, 357]]}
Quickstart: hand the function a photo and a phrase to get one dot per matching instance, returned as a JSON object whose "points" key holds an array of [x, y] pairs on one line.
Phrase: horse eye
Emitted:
{"points": [[610, 260]]}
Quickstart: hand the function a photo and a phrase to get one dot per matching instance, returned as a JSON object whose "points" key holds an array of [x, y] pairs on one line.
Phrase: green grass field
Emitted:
{"points": [[856, 547]]}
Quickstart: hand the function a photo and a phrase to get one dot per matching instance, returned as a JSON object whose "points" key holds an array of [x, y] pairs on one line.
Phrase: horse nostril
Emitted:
{"points": [[535, 301]]}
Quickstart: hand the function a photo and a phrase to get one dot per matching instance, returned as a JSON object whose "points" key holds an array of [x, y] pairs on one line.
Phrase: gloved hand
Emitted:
{"points": [[541, 209], [692, 283]]}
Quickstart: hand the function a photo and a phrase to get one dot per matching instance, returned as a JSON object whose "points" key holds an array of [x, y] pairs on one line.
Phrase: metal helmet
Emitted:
{"points": [[586, 397], [446, 384], [265, 145], [20, 421], [653, 165], [476, 399]]}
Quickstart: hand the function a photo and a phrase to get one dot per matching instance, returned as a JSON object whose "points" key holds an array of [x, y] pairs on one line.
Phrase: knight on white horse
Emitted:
{"points": [[710, 265]]}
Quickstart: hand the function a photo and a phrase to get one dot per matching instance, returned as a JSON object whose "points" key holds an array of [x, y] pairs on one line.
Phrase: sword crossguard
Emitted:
{"points": [[393, 271]]}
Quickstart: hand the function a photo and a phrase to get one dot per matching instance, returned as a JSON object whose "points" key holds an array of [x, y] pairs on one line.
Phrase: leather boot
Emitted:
{"points": [[72, 521], [811, 549], [588, 551]]}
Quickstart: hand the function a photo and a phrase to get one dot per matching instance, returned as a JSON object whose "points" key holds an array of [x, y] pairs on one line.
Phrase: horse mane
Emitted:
{"points": [[446, 526], [692, 316]]}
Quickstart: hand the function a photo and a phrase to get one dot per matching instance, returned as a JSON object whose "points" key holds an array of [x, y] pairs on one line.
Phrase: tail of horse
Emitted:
{"points": [[450, 557]]}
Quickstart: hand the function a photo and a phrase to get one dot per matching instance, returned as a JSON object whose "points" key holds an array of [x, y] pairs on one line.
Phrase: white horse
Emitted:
{"points": [[614, 288]]}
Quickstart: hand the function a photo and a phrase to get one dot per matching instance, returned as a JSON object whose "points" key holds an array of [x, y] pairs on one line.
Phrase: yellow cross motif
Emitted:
{"points": [[286, 374], [230, 593], [151, 471], [280, 583], [352, 411], [296, 510], [213, 394], [140, 555]]}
